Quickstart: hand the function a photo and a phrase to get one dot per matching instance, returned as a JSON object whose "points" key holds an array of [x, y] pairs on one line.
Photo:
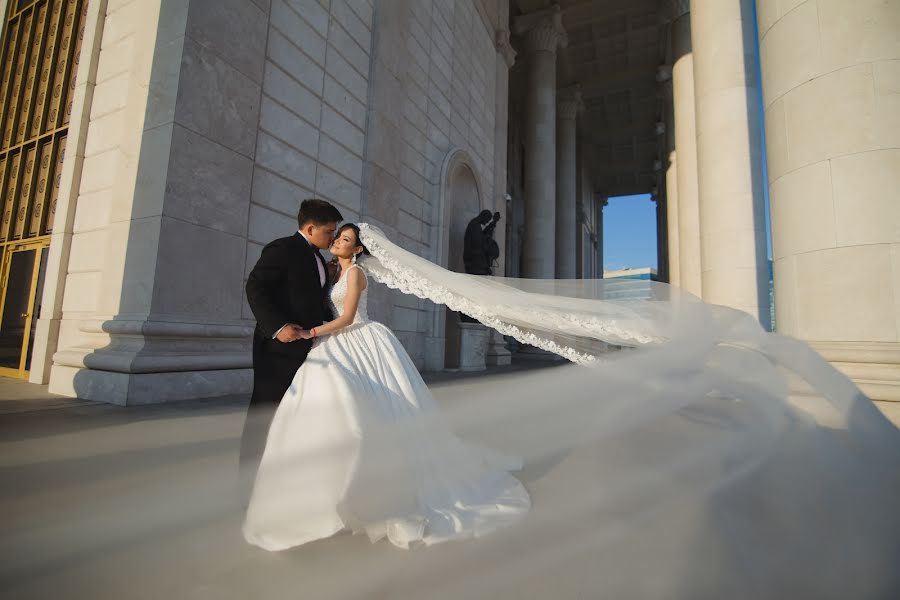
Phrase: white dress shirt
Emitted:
{"points": [[319, 263]]}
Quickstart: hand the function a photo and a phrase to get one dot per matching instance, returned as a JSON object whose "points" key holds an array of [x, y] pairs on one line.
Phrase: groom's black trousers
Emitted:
{"points": [[273, 371]]}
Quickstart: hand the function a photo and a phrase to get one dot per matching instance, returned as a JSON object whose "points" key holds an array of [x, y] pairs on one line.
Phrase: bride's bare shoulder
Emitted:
{"points": [[357, 276]]}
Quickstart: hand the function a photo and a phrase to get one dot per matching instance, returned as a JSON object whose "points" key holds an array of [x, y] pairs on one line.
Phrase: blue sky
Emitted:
{"points": [[629, 222], [629, 232]]}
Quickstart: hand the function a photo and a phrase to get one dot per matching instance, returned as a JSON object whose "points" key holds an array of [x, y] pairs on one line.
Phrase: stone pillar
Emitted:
{"points": [[157, 313], [602, 201], [689, 259], [506, 56], [497, 353], [673, 242], [664, 75], [729, 157], [48, 325], [543, 33], [568, 105], [831, 77], [662, 251]]}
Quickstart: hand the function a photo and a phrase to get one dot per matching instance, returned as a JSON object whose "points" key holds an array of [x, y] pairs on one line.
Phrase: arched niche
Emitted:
{"points": [[458, 200]]}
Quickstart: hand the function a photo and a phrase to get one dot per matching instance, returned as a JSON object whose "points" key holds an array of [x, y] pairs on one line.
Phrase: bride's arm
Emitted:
{"points": [[356, 283]]}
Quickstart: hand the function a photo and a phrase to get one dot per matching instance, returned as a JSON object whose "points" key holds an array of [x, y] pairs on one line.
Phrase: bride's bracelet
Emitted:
{"points": [[313, 331]]}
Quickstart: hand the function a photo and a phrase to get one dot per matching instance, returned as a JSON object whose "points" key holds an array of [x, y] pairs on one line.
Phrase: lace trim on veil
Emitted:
{"points": [[395, 275]]}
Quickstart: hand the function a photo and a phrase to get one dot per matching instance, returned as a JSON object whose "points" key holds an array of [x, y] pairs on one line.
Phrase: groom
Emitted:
{"points": [[287, 292]]}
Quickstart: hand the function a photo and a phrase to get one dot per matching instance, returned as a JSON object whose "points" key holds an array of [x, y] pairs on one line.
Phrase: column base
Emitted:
{"points": [[533, 353], [473, 344], [497, 354], [46, 336], [873, 366], [128, 362], [129, 389]]}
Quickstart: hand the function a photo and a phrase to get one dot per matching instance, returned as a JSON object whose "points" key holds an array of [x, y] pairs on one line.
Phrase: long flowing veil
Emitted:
{"points": [[585, 321], [794, 471], [681, 452]]}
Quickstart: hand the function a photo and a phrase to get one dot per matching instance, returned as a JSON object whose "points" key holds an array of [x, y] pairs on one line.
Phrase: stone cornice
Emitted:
{"points": [[542, 30]]}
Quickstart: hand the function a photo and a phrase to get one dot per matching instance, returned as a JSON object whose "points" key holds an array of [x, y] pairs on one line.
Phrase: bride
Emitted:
{"points": [[357, 442], [692, 434]]}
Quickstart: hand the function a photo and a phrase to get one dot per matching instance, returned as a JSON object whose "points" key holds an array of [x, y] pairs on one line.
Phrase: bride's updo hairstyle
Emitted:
{"points": [[355, 229]]}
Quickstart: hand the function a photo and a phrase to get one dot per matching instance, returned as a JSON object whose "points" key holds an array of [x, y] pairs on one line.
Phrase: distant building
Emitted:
{"points": [[645, 273]]}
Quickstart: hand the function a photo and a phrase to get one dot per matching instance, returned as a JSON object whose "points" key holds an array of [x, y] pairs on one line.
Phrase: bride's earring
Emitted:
{"points": [[353, 260]]}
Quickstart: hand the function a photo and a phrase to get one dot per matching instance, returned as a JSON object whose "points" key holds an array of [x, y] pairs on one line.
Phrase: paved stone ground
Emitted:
{"points": [[100, 501]]}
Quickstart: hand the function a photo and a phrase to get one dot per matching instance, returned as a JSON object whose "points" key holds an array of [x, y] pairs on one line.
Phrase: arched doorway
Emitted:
{"points": [[463, 204]]}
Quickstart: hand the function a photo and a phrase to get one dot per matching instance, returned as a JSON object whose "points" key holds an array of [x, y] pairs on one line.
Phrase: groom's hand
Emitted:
{"points": [[289, 333]]}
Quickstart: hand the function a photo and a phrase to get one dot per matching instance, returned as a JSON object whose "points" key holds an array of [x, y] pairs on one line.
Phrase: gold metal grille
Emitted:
{"points": [[39, 56], [39, 50]]}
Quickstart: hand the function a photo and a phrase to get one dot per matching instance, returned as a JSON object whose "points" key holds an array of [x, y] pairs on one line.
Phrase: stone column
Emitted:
{"points": [[674, 241], [664, 75], [729, 156], [602, 201], [662, 250], [568, 104], [152, 309], [831, 77], [48, 325], [689, 260], [497, 353], [543, 33]]}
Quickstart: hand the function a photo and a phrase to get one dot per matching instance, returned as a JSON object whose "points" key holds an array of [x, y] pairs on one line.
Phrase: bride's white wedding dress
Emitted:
{"points": [[357, 443]]}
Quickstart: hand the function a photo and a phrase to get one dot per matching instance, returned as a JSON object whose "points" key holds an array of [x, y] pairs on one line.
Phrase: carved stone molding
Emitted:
{"points": [[504, 48], [569, 102], [542, 30]]}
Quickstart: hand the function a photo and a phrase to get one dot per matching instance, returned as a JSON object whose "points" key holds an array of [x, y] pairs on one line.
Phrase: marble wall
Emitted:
{"points": [[154, 286], [209, 122], [313, 114], [432, 99]]}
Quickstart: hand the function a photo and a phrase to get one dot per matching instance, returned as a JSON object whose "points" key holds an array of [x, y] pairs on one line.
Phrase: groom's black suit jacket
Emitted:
{"points": [[283, 287]]}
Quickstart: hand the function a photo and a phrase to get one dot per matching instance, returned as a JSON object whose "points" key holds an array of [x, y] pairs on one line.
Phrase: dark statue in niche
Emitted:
{"points": [[480, 250]]}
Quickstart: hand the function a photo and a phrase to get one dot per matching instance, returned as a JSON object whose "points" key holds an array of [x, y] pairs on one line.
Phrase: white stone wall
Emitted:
{"points": [[159, 233], [433, 92], [210, 122], [109, 162], [313, 111]]}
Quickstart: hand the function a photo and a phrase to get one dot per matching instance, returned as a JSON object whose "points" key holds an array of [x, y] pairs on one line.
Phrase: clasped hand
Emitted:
{"points": [[292, 333]]}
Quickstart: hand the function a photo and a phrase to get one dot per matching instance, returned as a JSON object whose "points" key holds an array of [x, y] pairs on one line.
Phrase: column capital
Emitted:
{"points": [[569, 102], [602, 199], [504, 48], [675, 9], [543, 30]]}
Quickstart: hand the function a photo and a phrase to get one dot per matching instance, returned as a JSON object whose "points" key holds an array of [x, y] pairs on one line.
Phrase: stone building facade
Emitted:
{"points": [[197, 126]]}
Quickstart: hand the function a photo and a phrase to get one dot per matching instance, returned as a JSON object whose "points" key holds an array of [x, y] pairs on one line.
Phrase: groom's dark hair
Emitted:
{"points": [[318, 212]]}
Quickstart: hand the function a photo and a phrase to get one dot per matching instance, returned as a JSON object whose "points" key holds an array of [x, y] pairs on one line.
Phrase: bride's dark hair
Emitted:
{"points": [[355, 229]]}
